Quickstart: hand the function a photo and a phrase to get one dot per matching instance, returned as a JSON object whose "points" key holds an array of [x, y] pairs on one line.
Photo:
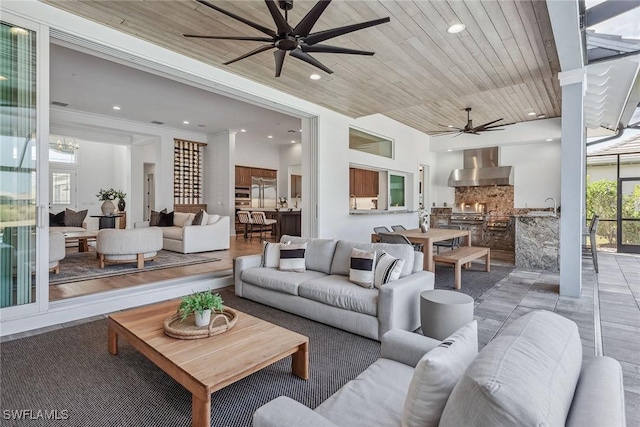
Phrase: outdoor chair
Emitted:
{"points": [[591, 234], [381, 229], [451, 243], [399, 239]]}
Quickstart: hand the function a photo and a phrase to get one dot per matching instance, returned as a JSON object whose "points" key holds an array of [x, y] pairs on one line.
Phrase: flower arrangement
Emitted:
{"points": [[110, 194], [282, 201], [423, 214]]}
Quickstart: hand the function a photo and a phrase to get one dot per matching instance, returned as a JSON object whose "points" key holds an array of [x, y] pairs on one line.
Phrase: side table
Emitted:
{"points": [[107, 221], [442, 312]]}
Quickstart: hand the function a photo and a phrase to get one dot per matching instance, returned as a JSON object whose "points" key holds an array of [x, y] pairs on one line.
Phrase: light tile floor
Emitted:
{"points": [[612, 330]]}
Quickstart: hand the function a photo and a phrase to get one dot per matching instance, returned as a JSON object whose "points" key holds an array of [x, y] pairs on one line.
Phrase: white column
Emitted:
{"points": [[572, 181], [219, 174]]}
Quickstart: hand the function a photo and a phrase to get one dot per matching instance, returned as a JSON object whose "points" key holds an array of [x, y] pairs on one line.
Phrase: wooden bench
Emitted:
{"points": [[462, 256]]}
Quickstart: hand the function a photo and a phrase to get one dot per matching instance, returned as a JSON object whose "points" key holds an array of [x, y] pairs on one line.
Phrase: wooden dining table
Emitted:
{"points": [[428, 238]]}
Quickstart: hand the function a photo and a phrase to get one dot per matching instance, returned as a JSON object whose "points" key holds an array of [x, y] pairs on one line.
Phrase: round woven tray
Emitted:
{"points": [[187, 330]]}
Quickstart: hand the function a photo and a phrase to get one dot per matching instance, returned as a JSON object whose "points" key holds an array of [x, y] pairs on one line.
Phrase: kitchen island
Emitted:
{"points": [[288, 222], [538, 242]]}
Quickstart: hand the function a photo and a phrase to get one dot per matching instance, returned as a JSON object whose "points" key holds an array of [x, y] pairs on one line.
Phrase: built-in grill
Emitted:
{"points": [[467, 213], [493, 222]]}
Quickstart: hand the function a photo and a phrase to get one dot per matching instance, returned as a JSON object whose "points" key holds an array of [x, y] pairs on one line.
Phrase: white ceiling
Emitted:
{"points": [[94, 85]]}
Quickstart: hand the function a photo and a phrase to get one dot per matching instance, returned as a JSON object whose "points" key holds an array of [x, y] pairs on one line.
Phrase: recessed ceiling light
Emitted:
{"points": [[541, 116], [3, 78], [315, 76], [300, 130], [450, 126], [549, 139], [243, 130], [449, 149], [456, 28], [185, 122], [115, 107], [270, 136], [293, 142], [531, 114]]}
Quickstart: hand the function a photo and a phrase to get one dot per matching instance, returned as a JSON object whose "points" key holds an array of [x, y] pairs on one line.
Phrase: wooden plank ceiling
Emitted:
{"points": [[504, 64]]}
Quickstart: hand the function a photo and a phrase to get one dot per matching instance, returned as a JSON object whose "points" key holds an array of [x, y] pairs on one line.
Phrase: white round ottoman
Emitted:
{"points": [[443, 312]]}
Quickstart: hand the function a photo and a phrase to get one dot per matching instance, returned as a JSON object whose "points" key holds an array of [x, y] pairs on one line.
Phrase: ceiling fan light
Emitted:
{"points": [[456, 28], [315, 76], [531, 113]]}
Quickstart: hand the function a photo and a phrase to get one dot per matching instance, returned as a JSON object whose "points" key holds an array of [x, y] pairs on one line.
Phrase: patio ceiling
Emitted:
{"points": [[503, 65]]}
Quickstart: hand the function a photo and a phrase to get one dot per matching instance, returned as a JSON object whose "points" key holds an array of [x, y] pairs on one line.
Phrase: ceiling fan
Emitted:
{"points": [[469, 128], [298, 41]]}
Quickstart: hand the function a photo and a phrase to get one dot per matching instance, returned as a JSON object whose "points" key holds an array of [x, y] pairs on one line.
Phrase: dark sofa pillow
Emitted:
{"points": [[56, 220], [166, 219], [197, 220], [154, 219], [73, 218]]}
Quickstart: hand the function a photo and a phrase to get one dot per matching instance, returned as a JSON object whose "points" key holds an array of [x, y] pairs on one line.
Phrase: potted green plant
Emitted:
{"points": [[200, 304]]}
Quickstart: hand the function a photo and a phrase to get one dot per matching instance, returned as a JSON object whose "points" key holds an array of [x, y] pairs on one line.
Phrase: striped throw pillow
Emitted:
{"points": [[271, 254], [388, 269], [292, 257], [362, 267]]}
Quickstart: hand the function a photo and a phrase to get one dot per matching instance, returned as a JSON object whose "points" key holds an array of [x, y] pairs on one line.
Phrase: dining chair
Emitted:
{"points": [[263, 223], [399, 239], [398, 227], [450, 243]]}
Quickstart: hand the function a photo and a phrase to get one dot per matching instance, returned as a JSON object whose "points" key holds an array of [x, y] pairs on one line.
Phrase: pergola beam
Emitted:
{"points": [[607, 10]]}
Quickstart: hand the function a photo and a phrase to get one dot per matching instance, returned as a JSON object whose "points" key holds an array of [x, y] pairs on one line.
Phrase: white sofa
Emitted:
{"points": [[532, 374], [324, 293], [186, 238], [132, 245]]}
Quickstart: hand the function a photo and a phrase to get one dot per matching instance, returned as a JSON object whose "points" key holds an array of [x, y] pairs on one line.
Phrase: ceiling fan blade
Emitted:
{"points": [[304, 27], [487, 124], [489, 130], [279, 57], [298, 53], [323, 48], [458, 135], [281, 23], [253, 52], [335, 32], [253, 39], [498, 126], [239, 18]]}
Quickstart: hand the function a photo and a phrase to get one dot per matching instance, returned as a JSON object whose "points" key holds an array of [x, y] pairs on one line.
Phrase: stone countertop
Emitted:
{"points": [[377, 212]]}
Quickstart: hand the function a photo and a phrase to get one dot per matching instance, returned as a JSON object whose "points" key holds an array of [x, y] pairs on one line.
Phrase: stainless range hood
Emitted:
{"points": [[481, 167]]}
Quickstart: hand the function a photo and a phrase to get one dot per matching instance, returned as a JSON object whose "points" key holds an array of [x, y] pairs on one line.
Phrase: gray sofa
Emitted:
{"points": [[323, 292], [531, 374]]}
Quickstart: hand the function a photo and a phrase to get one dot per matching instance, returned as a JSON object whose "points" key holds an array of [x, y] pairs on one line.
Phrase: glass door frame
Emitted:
{"points": [[41, 303], [621, 247]]}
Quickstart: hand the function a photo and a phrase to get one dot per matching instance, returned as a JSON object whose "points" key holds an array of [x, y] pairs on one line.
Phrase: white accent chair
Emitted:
{"points": [[57, 251], [130, 245]]}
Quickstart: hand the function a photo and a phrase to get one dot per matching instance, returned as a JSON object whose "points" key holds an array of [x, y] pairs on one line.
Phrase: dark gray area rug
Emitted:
{"points": [[475, 281], [70, 369], [77, 266]]}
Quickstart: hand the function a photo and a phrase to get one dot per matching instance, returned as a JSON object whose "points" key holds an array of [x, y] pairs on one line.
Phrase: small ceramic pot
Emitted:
{"points": [[203, 319]]}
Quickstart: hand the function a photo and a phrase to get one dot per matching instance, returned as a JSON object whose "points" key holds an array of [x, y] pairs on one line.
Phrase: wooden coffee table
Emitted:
{"points": [[206, 365], [82, 237]]}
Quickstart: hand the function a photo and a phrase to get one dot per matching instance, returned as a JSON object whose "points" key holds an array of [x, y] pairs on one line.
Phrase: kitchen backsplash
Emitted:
{"points": [[498, 199]]}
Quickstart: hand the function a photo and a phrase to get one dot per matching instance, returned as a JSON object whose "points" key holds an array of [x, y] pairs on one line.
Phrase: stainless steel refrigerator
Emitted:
{"points": [[263, 193]]}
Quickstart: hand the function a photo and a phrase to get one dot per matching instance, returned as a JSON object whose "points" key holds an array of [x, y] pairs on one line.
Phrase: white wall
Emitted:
{"points": [[258, 155], [444, 163], [290, 156]]}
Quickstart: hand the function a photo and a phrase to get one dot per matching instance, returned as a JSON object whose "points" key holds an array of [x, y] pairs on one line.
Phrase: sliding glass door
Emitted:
{"points": [[18, 160]]}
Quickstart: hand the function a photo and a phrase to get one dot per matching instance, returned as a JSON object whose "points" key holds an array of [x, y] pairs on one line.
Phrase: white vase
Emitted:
{"points": [[203, 319], [108, 208]]}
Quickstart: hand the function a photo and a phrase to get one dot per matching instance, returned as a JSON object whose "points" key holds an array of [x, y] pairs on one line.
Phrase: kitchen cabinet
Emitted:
{"points": [[363, 183], [296, 186], [264, 173], [243, 176]]}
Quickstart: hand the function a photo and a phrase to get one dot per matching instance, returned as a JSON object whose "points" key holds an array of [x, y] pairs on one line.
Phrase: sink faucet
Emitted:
{"points": [[554, 203], [355, 201], [296, 202]]}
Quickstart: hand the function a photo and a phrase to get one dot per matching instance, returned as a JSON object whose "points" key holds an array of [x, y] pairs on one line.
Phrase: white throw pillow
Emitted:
{"points": [[271, 254], [388, 269], [292, 257], [435, 376], [213, 218], [362, 267], [182, 219]]}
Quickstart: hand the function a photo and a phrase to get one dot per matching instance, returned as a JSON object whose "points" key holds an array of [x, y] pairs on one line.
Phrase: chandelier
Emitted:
{"points": [[65, 145]]}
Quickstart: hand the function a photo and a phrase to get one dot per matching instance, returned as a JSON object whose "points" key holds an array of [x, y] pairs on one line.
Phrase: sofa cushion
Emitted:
{"points": [[173, 232], [271, 254], [387, 270], [286, 282], [73, 218], [374, 398], [166, 219], [362, 267], [319, 252], [292, 257], [342, 256], [212, 219], [182, 219], [154, 218], [56, 220], [525, 376], [338, 292], [435, 376]]}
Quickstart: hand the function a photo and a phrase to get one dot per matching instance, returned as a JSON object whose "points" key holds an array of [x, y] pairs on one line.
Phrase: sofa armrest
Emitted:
{"points": [[599, 396], [399, 302], [406, 347], [242, 263], [283, 412], [209, 237], [141, 224]]}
